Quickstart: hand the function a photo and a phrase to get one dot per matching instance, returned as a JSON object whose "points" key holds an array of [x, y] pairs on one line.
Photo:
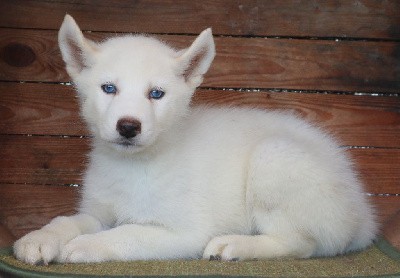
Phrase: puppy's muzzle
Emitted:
{"points": [[129, 127]]}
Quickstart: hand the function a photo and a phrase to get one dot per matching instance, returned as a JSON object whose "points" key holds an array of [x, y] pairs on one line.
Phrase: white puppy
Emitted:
{"points": [[167, 181]]}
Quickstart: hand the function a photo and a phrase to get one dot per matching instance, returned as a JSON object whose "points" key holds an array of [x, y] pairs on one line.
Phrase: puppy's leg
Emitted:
{"points": [[133, 242], [44, 245], [283, 204]]}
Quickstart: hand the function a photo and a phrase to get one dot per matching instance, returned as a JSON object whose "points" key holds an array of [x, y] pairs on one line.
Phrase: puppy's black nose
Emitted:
{"points": [[129, 127]]}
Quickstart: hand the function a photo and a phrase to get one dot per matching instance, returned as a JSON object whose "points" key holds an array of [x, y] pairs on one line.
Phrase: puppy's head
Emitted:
{"points": [[133, 88]]}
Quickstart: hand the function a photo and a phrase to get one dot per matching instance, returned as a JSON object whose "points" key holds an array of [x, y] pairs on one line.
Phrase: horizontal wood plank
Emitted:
{"points": [[24, 208], [365, 18], [354, 120], [6, 237], [52, 109], [386, 207], [33, 108], [391, 230], [58, 160], [33, 55], [378, 168], [42, 160]]}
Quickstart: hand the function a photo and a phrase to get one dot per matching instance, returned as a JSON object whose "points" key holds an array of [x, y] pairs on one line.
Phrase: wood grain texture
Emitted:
{"points": [[33, 55], [386, 207], [392, 230], [378, 168], [33, 108], [365, 18], [52, 109], [6, 237], [354, 120], [24, 208], [58, 160], [42, 160]]}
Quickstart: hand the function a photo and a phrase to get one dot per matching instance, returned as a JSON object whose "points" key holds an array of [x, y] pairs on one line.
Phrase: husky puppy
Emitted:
{"points": [[169, 181]]}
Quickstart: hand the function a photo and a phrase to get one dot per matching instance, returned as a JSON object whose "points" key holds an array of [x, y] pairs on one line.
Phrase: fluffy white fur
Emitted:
{"points": [[232, 183]]}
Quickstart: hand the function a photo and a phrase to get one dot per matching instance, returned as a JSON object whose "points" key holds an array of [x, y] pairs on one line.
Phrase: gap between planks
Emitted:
{"points": [[247, 89], [89, 137], [273, 36]]}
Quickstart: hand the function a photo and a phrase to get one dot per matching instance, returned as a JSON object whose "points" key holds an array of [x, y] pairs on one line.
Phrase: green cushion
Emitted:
{"points": [[381, 260]]}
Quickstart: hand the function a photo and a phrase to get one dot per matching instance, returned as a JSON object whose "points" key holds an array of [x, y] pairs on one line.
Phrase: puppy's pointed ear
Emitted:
{"points": [[77, 51], [196, 60]]}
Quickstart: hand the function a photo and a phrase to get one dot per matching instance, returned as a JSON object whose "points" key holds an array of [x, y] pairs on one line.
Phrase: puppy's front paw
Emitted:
{"points": [[85, 249], [38, 246]]}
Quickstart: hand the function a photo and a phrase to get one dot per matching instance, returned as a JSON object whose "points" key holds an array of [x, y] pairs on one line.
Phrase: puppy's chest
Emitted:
{"points": [[147, 196]]}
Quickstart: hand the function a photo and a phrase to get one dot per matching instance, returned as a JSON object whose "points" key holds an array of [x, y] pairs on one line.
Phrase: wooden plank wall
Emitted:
{"points": [[335, 63]]}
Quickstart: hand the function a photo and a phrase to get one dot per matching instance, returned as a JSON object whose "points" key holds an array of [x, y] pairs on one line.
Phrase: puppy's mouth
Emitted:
{"points": [[126, 143]]}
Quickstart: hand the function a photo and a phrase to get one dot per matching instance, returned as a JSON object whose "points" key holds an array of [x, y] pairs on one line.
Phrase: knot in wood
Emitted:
{"points": [[18, 55]]}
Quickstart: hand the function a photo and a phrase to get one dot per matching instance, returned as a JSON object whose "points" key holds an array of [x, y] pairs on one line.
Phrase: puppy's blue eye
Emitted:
{"points": [[156, 93], [109, 88]]}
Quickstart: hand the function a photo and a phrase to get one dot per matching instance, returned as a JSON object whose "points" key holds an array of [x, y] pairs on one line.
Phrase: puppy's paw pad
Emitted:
{"points": [[215, 258]]}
